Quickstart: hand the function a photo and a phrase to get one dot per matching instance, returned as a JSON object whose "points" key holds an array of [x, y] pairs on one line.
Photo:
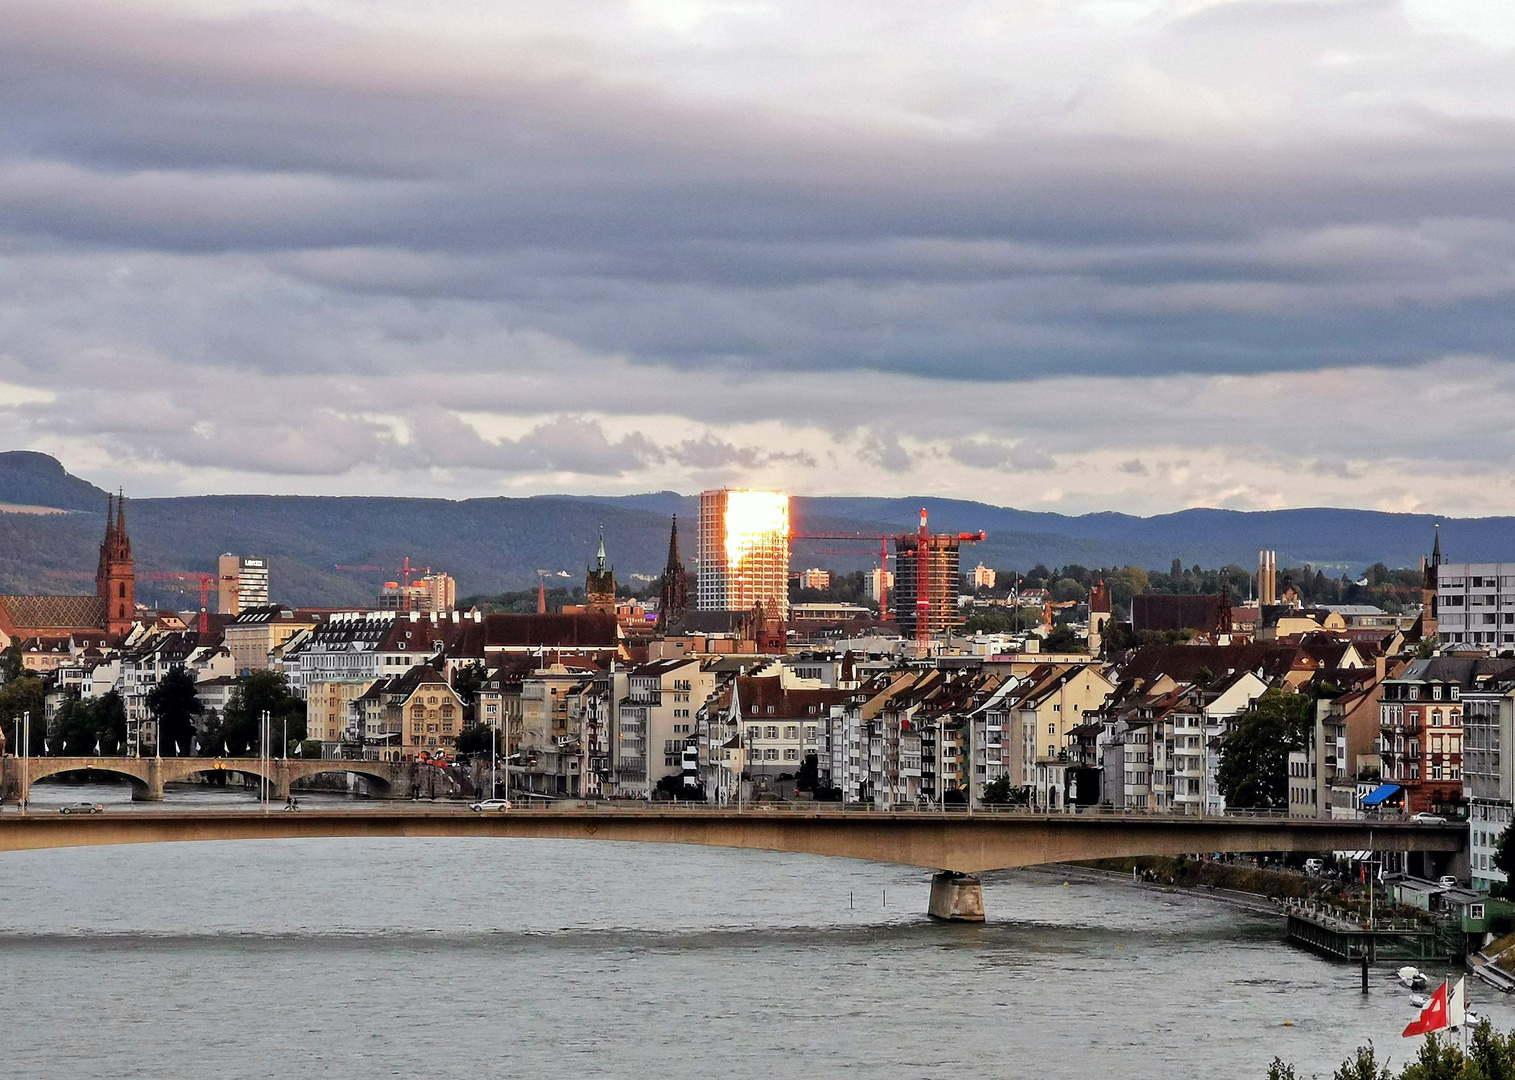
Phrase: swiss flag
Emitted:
{"points": [[1433, 1017]]}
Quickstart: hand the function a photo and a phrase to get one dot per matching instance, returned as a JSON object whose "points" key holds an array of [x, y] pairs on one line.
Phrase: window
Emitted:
{"points": [[752, 732], [791, 732], [1051, 729], [771, 754], [771, 732], [791, 754]]}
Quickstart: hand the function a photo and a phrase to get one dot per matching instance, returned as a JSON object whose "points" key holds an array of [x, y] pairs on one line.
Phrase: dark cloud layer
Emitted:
{"points": [[580, 211]]}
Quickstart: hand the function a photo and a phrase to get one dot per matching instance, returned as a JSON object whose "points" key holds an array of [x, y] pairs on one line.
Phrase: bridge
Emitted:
{"points": [[957, 845], [149, 774]]}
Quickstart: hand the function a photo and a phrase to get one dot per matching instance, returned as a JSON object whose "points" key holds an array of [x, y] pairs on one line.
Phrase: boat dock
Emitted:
{"points": [[1322, 930]]}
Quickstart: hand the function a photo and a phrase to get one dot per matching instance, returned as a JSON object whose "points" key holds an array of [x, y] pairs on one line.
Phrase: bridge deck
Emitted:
{"points": [[964, 842]]}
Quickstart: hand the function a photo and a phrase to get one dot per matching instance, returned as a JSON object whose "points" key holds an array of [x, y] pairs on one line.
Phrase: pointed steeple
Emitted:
{"points": [[599, 583], [1436, 549], [673, 599]]}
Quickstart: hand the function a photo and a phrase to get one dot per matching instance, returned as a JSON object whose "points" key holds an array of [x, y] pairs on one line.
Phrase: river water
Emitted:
{"points": [[503, 958]]}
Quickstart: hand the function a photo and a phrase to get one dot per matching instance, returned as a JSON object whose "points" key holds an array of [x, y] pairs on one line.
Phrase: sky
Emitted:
{"points": [[1132, 255]]}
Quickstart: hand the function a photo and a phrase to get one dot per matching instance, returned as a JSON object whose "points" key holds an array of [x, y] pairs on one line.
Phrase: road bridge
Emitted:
{"points": [[149, 774], [957, 845]]}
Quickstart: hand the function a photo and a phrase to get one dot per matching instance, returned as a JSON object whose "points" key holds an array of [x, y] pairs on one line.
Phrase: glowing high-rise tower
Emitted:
{"points": [[744, 552]]}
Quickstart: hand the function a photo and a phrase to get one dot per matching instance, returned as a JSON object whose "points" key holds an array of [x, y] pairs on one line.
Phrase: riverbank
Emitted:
{"points": [[1248, 887]]}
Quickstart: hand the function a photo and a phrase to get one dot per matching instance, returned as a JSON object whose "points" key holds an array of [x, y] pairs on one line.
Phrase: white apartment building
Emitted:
{"points": [[1475, 604]]}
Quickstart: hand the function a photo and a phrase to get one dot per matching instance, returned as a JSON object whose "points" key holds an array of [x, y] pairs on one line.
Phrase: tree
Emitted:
{"points": [[468, 680], [1254, 755], [996, 792], [175, 705], [83, 725], [11, 666], [25, 696], [475, 739], [1504, 859], [1062, 640], [1427, 647], [262, 691], [809, 776]]}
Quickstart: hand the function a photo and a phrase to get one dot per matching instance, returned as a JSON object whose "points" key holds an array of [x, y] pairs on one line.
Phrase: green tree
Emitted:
{"points": [[468, 680], [1504, 859], [1362, 1066], [24, 696], [1254, 755], [10, 663], [1427, 647], [175, 705], [475, 739], [262, 691], [809, 776], [83, 725], [996, 792], [1064, 640]]}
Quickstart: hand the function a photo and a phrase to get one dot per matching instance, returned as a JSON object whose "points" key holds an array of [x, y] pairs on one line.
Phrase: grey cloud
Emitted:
{"points": [[679, 230], [995, 454]]}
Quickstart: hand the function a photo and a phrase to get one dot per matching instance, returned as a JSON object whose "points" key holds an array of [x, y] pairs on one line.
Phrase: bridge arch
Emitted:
{"points": [[39, 769], [382, 784]]}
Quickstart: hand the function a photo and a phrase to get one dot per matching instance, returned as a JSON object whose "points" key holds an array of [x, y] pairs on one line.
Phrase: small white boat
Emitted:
{"points": [[1411, 978]]}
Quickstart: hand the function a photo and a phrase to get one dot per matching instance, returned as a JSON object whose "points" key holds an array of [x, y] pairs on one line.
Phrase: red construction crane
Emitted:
{"points": [[925, 542], [188, 576]]}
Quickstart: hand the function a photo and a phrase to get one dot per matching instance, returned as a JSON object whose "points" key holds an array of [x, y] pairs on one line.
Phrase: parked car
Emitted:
{"points": [[83, 808], [1428, 819], [1447, 881], [1314, 866], [490, 804]]}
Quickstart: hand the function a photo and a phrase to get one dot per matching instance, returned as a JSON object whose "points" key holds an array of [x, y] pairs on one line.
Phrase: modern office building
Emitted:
{"points": [[1475, 604], [243, 583], [744, 552]]}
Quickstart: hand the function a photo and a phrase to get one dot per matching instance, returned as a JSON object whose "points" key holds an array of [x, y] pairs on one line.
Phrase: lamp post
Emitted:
{"points": [[26, 758]]}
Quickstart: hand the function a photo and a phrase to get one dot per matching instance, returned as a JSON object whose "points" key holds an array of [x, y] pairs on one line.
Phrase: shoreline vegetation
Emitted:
{"points": [[1490, 1055]]}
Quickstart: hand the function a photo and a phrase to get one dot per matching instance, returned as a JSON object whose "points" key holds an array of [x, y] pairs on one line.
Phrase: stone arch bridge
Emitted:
{"points": [[148, 775]]}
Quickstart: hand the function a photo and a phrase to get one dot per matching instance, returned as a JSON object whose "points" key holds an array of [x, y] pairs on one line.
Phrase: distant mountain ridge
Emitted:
{"points": [[494, 544]]}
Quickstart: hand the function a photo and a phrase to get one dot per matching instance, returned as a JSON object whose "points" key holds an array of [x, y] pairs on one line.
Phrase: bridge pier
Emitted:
{"points": [[956, 897], [153, 792]]}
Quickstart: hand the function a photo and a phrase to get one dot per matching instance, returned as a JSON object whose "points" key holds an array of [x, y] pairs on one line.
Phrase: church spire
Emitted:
{"points": [[673, 598]]}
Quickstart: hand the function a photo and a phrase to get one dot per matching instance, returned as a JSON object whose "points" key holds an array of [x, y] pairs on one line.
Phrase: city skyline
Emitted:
{"points": [[1069, 257]]}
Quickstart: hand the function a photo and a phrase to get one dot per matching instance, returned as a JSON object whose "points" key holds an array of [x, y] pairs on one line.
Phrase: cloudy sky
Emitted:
{"points": [[1058, 254]]}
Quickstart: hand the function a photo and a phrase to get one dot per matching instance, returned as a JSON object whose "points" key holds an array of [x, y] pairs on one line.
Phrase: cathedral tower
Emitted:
{"points": [[115, 583], [673, 599]]}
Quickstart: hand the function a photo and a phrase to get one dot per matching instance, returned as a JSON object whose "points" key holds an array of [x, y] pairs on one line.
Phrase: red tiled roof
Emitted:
{"points": [[50, 616]]}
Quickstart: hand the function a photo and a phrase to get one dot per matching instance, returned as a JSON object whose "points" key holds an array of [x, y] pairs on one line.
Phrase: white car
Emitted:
{"points": [[1447, 881], [83, 808], [1424, 818], [490, 804]]}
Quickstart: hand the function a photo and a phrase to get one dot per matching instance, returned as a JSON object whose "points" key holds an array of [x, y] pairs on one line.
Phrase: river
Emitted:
{"points": [[506, 958]]}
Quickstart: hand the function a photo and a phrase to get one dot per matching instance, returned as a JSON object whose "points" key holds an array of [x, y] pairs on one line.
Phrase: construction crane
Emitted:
{"points": [[403, 585], [925, 543], [185, 576], [883, 558]]}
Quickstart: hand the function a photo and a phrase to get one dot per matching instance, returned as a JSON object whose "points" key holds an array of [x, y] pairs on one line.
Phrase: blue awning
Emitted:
{"points": [[1379, 794]]}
